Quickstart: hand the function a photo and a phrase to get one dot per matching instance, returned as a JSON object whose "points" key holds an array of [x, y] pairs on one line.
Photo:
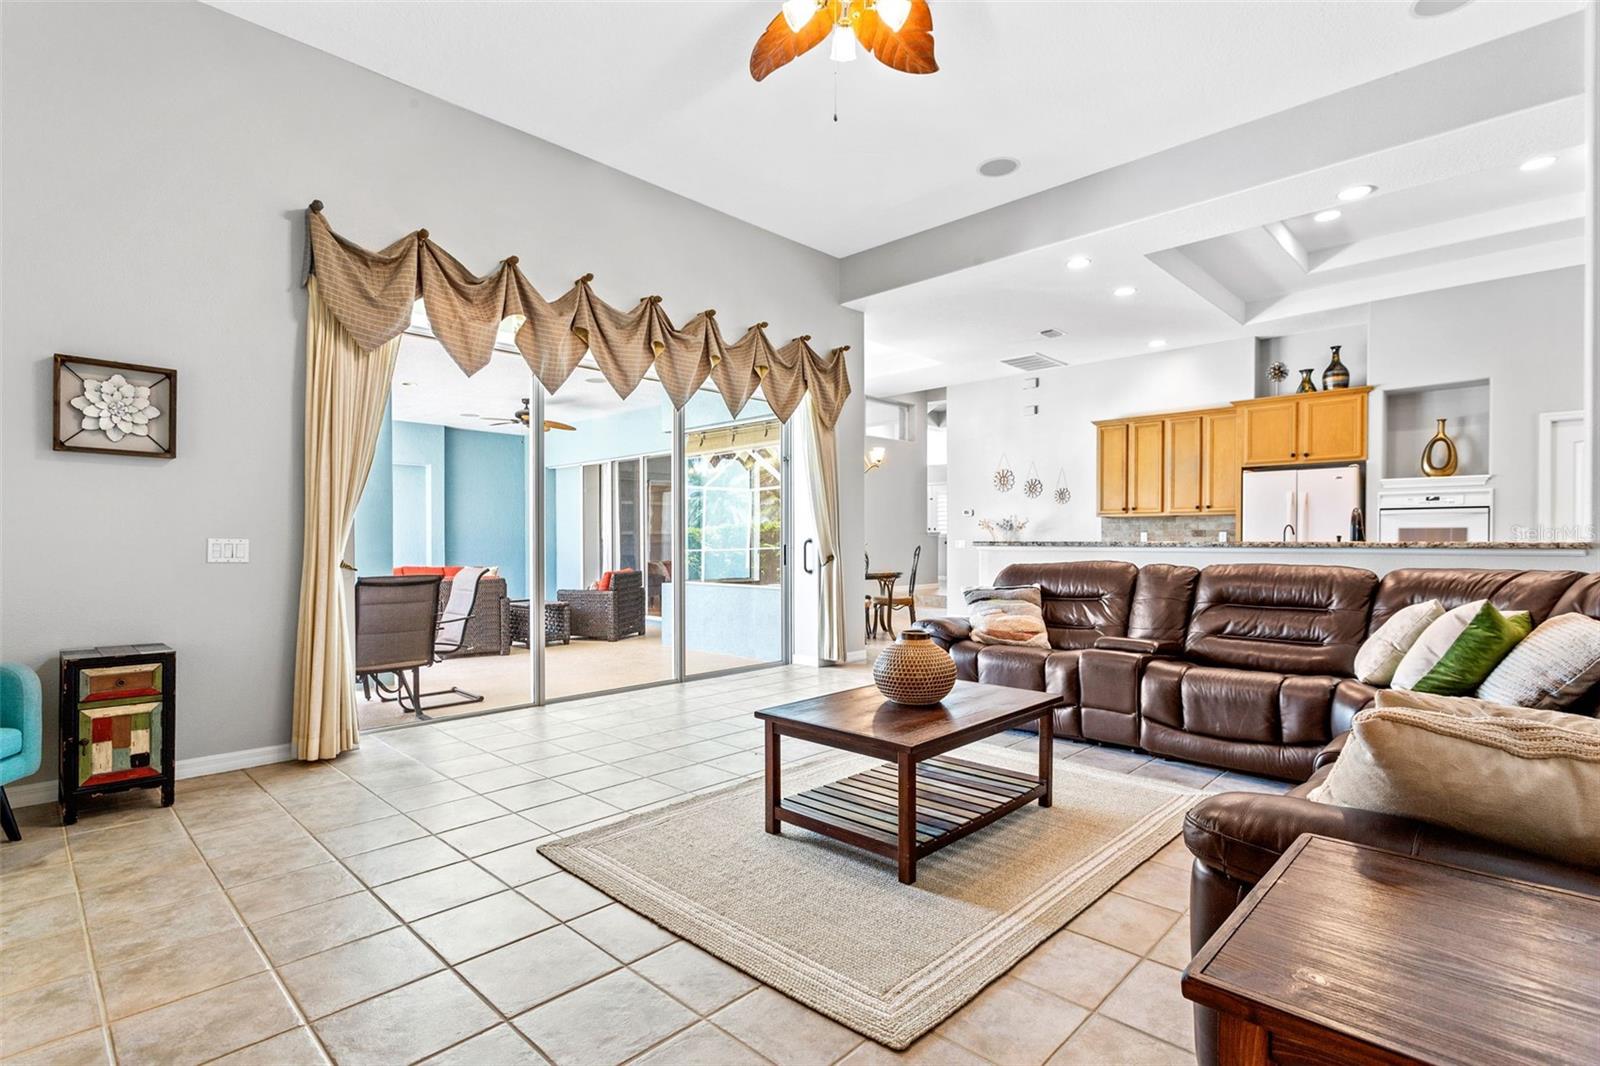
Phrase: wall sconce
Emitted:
{"points": [[875, 457]]}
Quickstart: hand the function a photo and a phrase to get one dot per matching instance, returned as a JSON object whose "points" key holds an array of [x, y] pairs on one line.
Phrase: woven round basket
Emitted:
{"points": [[914, 670]]}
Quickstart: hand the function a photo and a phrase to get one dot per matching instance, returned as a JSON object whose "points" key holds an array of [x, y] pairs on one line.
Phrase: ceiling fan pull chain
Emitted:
{"points": [[836, 92]]}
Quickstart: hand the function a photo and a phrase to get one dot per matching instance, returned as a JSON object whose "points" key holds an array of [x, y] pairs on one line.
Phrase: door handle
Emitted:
{"points": [[805, 555]]}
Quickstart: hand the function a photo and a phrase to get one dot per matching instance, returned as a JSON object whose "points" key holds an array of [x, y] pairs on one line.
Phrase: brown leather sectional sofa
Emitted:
{"points": [[1241, 666], [1248, 667]]}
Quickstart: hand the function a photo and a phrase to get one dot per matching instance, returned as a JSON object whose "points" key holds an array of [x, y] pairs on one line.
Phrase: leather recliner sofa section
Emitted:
{"points": [[1240, 666]]}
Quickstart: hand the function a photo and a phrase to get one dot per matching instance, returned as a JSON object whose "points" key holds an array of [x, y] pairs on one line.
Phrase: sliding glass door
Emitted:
{"points": [[734, 598]]}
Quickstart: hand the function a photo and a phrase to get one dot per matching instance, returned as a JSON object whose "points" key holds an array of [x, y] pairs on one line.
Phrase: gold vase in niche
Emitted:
{"points": [[1306, 384], [1446, 468]]}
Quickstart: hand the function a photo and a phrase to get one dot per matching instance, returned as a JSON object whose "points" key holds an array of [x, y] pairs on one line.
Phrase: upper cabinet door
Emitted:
{"points": [[1333, 426], [1114, 468], [1184, 435], [1219, 481], [1144, 467], [1267, 431]]}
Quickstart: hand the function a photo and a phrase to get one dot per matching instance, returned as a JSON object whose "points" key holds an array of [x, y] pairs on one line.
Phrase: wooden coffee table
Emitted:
{"points": [[1344, 953], [925, 800]]}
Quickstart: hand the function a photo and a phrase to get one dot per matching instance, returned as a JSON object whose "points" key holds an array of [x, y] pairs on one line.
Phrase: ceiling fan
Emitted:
{"points": [[898, 33], [524, 416]]}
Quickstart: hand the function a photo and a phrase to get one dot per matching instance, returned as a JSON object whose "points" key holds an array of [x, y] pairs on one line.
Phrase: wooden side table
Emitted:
{"points": [[116, 718], [1344, 953]]}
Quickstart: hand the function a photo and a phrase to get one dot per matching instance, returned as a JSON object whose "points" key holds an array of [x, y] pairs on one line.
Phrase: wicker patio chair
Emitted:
{"points": [[611, 614]]}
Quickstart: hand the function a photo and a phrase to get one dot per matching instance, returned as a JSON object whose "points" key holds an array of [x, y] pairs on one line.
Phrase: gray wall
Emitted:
{"points": [[156, 161]]}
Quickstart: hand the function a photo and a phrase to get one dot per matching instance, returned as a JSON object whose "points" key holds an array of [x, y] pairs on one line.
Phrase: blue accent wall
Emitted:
{"points": [[486, 504], [420, 444], [374, 530]]}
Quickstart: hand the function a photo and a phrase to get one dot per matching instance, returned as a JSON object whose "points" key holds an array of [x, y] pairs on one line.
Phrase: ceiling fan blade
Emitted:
{"points": [[551, 423], [908, 49], [780, 45]]}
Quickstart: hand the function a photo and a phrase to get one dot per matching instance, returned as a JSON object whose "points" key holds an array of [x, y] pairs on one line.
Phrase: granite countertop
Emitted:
{"points": [[1331, 545]]}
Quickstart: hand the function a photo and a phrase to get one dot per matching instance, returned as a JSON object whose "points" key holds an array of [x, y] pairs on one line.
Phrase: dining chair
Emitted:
{"points": [[884, 606]]}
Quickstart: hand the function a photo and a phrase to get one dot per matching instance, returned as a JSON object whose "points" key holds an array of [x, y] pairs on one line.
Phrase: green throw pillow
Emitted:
{"points": [[1477, 651]]}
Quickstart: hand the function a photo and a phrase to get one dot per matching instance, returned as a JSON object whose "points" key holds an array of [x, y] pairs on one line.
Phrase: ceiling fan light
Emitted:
{"points": [[798, 12], [841, 45], [894, 12]]}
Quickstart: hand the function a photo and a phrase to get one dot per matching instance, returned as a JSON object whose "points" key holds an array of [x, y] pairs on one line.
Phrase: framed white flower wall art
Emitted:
{"points": [[114, 408]]}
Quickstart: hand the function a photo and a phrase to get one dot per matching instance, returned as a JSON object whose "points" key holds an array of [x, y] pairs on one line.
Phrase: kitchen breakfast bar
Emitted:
{"points": [[1376, 556]]}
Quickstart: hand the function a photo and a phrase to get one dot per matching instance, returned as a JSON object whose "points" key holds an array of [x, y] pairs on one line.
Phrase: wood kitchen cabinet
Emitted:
{"points": [[1220, 466], [1190, 461], [1332, 426], [1185, 451], [1146, 458], [1267, 431], [1113, 443], [1310, 427]]}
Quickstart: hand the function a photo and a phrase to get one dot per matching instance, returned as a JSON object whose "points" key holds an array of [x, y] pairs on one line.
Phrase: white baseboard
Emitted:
{"points": [[856, 656], [36, 792]]}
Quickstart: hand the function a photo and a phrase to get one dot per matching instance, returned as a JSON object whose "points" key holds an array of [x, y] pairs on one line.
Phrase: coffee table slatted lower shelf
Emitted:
{"points": [[951, 793]]}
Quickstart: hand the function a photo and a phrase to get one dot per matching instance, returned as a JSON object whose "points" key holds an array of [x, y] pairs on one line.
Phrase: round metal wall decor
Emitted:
{"points": [[1063, 494], [1004, 478], [1033, 488]]}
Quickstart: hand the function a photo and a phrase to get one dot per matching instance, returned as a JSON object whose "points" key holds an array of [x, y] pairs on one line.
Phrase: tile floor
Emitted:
{"points": [[390, 907]]}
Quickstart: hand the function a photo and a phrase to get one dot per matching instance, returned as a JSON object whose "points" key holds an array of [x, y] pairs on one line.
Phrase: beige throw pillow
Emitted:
{"points": [[1553, 668], [1381, 653], [1007, 615], [1525, 778]]}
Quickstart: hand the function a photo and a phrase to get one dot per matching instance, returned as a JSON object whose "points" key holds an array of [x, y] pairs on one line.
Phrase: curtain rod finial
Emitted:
{"points": [[584, 280], [710, 312], [654, 299], [805, 336], [316, 206], [761, 325], [511, 260], [422, 234]]}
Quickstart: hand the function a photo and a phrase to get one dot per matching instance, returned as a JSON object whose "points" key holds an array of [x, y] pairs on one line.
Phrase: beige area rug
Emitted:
{"points": [[832, 926]]}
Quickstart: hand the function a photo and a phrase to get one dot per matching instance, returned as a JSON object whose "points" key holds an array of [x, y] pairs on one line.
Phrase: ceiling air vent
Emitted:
{"points": [[1036, 361], [1052, 333]]}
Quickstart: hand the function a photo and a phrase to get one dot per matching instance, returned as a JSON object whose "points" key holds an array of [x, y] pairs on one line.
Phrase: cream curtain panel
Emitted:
{"points": [[823, 467], [346, 392], [371, 295]]}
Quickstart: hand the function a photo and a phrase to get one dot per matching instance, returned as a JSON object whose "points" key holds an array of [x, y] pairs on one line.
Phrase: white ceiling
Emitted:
{"points": [[662, 90]]}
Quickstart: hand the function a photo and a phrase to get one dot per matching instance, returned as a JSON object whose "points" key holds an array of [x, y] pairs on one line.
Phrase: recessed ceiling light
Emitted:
{"points": [[1124, 290], [1357, 192], [1052, 333], [1079, 262], [469, 414], [1332, 214], [1538, 162], [998, 167], [408, 384], [1158, 342], [1427, 9]]}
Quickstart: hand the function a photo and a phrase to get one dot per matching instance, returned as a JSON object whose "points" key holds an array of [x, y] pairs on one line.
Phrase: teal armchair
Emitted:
{"points": [[20, 728]]}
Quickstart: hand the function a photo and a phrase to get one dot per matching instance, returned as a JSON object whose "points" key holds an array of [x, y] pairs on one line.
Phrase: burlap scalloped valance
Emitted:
{"points": [[372, 293]]}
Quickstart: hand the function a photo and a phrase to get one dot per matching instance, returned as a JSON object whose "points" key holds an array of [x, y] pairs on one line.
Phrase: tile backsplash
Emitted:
{"points": [[1171, 529]]}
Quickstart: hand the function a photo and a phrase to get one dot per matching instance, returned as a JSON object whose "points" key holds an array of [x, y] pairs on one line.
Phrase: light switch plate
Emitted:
{"points": [[227, 550]]}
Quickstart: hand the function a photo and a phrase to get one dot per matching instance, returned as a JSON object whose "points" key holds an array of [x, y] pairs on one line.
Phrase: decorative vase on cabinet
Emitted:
{"points": [[1337, 376], [1446, 468], [914, 671], [1306, 384]]}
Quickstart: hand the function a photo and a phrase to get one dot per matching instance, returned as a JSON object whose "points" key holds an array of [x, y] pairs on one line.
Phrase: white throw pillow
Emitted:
{"points": [[1554, 667], [1526, 778], [1430, 647], [1382, 652]]}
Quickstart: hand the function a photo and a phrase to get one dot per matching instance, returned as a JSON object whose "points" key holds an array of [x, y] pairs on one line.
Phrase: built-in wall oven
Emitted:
{"points": [[1437, 516]]}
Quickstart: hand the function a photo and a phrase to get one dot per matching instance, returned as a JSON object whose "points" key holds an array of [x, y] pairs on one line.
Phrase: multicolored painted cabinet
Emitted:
{"points": [[116, 722]]}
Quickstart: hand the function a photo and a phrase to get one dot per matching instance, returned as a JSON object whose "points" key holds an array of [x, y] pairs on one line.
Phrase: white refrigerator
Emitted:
{"points": [[1299, 504]]}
